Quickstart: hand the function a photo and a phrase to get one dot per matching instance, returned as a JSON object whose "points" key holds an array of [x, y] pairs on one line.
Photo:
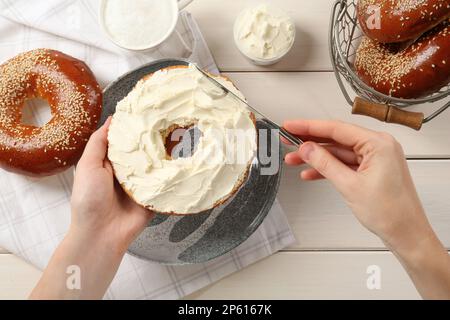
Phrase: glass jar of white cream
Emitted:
{"points": [[264, 34]]}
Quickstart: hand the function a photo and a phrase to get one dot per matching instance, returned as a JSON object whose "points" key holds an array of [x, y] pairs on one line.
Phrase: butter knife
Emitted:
{"points": [[283, 132]]}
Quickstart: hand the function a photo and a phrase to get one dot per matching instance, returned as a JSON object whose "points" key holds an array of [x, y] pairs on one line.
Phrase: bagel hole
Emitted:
{"points": [[182, 142], [36, 112]]}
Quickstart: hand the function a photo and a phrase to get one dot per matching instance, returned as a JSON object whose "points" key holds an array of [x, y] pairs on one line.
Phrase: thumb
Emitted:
{"points": [[95, 152], [340, 175]]}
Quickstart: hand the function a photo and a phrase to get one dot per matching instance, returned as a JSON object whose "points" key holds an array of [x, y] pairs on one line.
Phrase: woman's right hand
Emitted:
{"points": [[370, 170]]}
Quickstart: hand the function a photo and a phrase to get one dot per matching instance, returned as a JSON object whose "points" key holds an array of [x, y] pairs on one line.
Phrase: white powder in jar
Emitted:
{"points": [[139, 24]]}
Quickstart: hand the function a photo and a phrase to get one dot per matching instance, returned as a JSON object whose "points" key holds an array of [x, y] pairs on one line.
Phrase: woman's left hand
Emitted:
{"points": [[104, 223], [100, 207]]}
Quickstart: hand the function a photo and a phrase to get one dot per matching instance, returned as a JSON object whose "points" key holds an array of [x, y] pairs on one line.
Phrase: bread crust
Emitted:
{"points": [[75, 100], [238, 184], [400, 20], [418, 70]]}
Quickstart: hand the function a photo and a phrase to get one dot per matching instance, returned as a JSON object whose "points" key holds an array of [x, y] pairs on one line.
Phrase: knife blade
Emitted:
{"points": [[283, 132]]}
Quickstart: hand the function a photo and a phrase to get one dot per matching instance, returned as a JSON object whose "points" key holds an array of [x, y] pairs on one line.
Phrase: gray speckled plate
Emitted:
{"points": [[205, 236]]}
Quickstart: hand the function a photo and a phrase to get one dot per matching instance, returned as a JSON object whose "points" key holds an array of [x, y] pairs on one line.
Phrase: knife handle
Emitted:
{"points": [[284, 133]]}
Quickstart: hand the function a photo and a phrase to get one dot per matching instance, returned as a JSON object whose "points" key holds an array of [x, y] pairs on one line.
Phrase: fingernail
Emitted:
{"points": [[306, 150], [108, 120]]}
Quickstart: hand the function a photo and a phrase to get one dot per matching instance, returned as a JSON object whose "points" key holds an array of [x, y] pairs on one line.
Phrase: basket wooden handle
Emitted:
{"points": [[387, 113]]}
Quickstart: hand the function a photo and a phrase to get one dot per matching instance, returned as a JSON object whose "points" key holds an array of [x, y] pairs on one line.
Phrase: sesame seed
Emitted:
{"points": [[72, 109], [386, 67]]}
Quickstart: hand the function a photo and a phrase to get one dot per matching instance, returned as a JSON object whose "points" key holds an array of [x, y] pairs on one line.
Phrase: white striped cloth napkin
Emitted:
{"points": [[35, 213]]}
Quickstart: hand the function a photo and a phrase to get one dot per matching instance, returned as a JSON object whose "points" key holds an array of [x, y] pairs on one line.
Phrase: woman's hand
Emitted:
{"points": [[104, 223], [369, 169], [100, 207]]}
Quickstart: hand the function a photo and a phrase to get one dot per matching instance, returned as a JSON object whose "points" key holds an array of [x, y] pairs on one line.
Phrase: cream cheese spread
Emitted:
{"points": [[264, 32], [181, 97]]}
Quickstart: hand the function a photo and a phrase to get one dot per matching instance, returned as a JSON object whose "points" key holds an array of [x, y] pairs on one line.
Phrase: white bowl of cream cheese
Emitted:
{"points": [[264, 34], [139, 24]]}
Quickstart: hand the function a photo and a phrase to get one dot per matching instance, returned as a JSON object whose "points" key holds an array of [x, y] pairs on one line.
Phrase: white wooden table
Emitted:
{"points": [[333, 250]]}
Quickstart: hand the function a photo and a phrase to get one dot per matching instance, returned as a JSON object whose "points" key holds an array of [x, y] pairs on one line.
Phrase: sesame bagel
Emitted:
{"points": [[390, 21], [75, 101], [145, 122], [408, 72]]}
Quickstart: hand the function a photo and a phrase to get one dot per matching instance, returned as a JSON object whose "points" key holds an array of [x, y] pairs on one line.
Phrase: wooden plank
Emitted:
{"points": [[321, 220], [316, 95], [17, 278], [310, 52], [314, 275], [306, 275]]}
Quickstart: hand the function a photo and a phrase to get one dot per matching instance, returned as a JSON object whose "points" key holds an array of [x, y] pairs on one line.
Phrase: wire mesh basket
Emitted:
{"points": [[344, 38]]}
